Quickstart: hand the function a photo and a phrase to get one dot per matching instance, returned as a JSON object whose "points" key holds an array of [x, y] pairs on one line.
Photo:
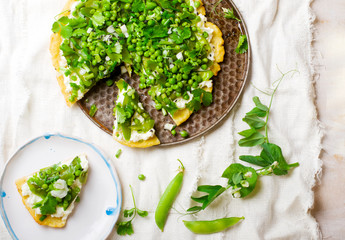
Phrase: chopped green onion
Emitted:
{"points": [[118, 153], [93, 110]]}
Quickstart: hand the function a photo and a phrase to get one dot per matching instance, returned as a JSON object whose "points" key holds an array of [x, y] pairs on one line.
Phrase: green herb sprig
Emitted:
{"points": [[125, 227], [242, 179]]}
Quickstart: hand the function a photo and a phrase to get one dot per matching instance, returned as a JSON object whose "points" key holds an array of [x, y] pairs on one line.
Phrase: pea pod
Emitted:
{"points": [[167, 199], [214, 226]]}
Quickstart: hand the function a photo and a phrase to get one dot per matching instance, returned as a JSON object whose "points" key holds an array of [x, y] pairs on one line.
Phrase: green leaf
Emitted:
{"points": [[272, 153], [259, 105], [236, 178], [79, 32], [98, 19], [207, 98], [121, 116], [49, 205], [138, 6], [254, 121], [194, 209], [156, 31], [256, 111], [66, 31], [213, 192], [56, 27], [256, 160], [128, 213], [142, 213], [125, 228], [242, 46], [248, 132], [249, 174], [229, 14], [253, 140], [64, 20]]}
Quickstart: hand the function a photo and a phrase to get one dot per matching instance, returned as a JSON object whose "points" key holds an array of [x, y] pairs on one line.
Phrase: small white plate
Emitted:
{"points": [[94, 216]]}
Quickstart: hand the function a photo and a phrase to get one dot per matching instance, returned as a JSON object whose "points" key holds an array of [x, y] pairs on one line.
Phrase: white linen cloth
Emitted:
{"points": [[280, 34]]}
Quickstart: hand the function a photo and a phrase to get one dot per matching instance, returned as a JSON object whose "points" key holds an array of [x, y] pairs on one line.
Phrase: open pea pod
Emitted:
{"points": [[241, 178]]}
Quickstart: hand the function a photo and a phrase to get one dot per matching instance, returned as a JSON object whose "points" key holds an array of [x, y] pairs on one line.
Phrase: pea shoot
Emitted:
{"points": [[242, 179], [125, 227]]}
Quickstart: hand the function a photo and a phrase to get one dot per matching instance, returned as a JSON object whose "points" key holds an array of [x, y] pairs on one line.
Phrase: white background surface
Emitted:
{"points": [[330, 36], [330, 46]]}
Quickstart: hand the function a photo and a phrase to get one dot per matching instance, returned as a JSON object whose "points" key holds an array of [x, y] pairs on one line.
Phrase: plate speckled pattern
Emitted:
{"points": [[227, 86]]}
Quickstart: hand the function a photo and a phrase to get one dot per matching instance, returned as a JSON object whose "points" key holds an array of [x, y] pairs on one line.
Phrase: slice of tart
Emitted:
{"points": [[51, 193], [133, 126]]}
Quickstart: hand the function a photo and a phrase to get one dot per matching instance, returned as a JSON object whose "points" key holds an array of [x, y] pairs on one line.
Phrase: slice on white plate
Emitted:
{"points": [[51, 193]]}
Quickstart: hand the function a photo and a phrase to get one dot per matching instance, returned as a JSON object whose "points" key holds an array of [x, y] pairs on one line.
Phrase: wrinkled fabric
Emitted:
{"points": [[280, 34]]}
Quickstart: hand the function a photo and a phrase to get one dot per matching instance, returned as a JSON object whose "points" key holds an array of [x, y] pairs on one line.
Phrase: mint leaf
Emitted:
{"points": [[242, 46], [120, 114], [207, 98]]}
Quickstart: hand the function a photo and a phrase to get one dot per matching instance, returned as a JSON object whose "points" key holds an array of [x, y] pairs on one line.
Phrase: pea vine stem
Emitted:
{"points": [[135, 206], [272, 95]]}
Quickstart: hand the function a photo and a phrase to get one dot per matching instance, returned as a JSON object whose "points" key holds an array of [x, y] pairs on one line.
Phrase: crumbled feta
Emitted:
{"points": [[168, 126], [124, 30], [110, 29], [107, 58], [89, 30], [83, 162], [237, 195], [179, 56], [32, 199]]}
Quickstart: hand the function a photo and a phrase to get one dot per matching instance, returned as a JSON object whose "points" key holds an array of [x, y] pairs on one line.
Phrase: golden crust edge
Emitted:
{"points": [[49, 221], [182, 115], [143, 144], [54, 48]]}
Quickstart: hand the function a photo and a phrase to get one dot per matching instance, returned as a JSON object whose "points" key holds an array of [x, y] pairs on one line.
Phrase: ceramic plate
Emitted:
{"points": [[93, 217]]}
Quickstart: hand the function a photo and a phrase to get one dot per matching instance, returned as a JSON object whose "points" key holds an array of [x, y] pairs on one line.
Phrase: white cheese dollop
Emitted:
{"points": [[32, 199], [207, 83], [110, 29], [60, 213], [61, 189], [124, 30], [181, 102]]}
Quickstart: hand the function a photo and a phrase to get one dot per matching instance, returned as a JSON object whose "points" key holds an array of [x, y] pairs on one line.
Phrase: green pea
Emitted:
{"points": [[204, 67], [77, 173], [142, 18], [127, 6], [158, 106], [141, 177], [214, 226], [184, 134], [167, 199], [45, 186], [173, 132], [150, 22], [196, 4], [70, 181]]}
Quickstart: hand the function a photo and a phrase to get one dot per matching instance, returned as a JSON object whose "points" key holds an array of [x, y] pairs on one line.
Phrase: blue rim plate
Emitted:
{"points": [[94, 217]]}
